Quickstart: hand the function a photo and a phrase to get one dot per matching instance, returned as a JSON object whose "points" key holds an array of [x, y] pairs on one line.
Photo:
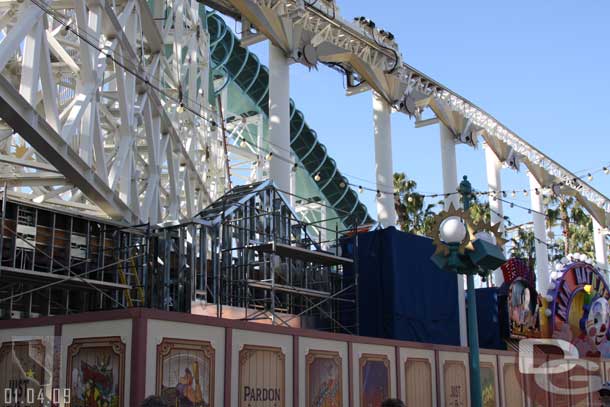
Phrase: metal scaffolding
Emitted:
{"points": [[247, 256]]}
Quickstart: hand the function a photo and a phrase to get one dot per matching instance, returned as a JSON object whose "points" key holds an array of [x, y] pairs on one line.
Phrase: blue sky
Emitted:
{"points": [[542, 68]]}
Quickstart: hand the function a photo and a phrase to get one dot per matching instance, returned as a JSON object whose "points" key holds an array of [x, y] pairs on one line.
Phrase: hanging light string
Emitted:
{"points": [[132, 68], [361, 188], [82, 34], [510, 223]]}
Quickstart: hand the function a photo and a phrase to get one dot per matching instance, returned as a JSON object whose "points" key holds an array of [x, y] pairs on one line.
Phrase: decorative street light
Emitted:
{"points": [[466, 248]]}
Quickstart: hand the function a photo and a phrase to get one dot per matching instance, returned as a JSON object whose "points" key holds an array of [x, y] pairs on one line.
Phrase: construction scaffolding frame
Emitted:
{"points": [[247, 256], [54, 262], [267, 267]]}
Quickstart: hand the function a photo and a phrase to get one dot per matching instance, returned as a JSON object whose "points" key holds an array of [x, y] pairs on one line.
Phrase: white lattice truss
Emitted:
{"points": [[91, 96], [90, 92], [375, 58]]}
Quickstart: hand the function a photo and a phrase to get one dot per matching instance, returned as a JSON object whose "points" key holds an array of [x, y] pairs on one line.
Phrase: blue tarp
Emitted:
{"points": [[402, 294], [488, 306]]}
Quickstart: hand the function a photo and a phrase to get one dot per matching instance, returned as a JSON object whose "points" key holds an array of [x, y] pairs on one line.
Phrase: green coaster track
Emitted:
{"points": [[243, 69]]}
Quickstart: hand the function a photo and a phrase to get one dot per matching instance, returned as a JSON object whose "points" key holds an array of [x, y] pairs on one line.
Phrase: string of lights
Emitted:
{"points": [[131, 67], [495, 193], [181, 106]]}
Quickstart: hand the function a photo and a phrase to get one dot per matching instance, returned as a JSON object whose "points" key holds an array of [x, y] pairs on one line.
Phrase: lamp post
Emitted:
{"points": [[464, 248]]}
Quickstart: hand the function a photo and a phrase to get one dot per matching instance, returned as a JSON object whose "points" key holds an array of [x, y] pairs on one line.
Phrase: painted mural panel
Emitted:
{"points": [[374, 379], [512, 386], [23, 373], [262, 377], [185, 372], [418, 382], [456, 390], [323, 379], [488, 384], [96, 372]]}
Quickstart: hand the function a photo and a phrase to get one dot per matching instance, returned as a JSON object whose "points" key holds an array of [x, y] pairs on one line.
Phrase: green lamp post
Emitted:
{"points": [[464, 248]]}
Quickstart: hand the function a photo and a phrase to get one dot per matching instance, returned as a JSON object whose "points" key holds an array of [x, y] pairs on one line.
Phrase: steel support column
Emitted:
{"points": [[494, 183], [386, 213], [601, 247], [279, 117], [450, 186], [542, 251]]}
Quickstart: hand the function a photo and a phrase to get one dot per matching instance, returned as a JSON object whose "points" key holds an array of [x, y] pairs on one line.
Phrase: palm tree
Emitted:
{"points": [[480, 212], [581, 231], [576, 225], [558, 212], [523, 246], [414, 215]]}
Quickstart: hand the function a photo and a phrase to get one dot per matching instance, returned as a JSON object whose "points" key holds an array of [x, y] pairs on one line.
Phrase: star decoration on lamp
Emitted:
{"points": [[449, 215], [492, 231]]}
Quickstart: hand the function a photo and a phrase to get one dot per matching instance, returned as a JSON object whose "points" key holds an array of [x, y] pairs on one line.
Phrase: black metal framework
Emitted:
{"points": [[247, 256]]}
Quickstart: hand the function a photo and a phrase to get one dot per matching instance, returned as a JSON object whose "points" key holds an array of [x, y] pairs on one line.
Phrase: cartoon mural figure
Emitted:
{"points": [[323, 378], [522, 299], [189, 395], [97, 382], [375, 379], [328, 387], [184, 372], [95, 372], [594, 324], [523, 311], [578, 309]]}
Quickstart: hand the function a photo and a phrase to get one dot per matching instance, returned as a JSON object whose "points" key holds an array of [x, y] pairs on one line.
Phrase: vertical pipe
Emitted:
{"points": [[293, 182], [542, 251], [386, 213], [473, 346], [4, 196], [166, 269], [601, 248], [450, 185], [494, 183], [279, 117], [473, 331]]}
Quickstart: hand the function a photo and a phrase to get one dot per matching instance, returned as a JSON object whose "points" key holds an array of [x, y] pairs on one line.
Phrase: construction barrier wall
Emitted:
{"points": [[117, 358]]}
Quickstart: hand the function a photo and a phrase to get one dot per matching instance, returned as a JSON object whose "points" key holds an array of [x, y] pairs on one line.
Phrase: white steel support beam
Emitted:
{"points": [[293, 183], [450, 185], [601, 247], [542, 251], [22, 117], [449, 163], [386, 213], [358, 47], [494, 182], [279, 117]]}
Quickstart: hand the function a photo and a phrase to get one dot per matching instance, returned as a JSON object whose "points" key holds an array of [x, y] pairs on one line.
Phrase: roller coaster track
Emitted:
{"points": [[360, 50], [246, 71]]}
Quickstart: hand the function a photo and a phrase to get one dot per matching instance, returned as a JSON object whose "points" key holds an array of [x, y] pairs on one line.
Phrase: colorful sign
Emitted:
{"points": [[488, 384], [23, 374], [262, 377], [96, 372], [185, 372], [578, 309], [374, 379], [323, 379], [522, 299]]}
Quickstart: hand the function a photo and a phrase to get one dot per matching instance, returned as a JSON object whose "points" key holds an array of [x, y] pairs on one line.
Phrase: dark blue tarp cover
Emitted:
{"points": [[490, 334], [402, 294]]}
